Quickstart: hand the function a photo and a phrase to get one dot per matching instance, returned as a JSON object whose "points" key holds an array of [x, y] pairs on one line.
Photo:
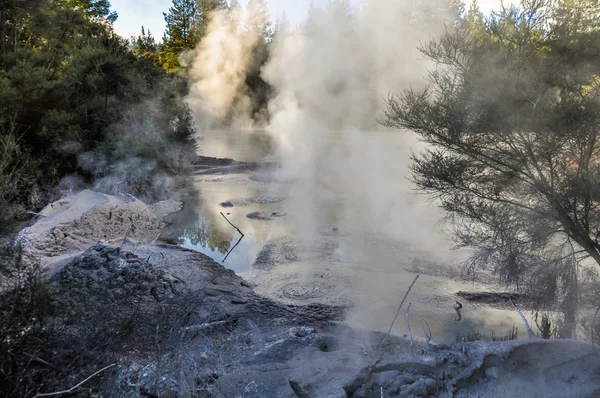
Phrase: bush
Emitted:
{"points": [[25, 306]]}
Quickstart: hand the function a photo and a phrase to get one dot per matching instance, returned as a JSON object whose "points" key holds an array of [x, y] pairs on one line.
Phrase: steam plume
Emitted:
{"points": [[331, 77], [220, 62]]}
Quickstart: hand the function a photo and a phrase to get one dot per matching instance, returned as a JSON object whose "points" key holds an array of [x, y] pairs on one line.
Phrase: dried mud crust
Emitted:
{"points": [[74, 223]]}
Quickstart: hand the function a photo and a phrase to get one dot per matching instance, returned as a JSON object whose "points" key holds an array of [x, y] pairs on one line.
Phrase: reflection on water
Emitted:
{"points": [[200, 226], [347, 262]]}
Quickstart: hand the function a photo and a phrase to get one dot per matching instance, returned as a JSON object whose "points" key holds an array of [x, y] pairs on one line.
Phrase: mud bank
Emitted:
{"points": [[176, 323], [201, 330]]}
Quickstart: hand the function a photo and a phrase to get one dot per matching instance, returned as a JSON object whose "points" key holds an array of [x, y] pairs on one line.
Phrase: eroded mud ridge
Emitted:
{"points": [[176, 323]]}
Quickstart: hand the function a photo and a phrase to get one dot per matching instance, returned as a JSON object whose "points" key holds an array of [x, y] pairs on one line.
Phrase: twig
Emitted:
{"points": [[237, 229], [234, 246], [427, 332], [36, 214], [37, 359], [399, 308], [529, 331], [50, 394], [408, 326]]}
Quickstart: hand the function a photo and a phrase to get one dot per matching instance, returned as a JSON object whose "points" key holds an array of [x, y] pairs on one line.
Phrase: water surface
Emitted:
{"points": [[342, 265]]}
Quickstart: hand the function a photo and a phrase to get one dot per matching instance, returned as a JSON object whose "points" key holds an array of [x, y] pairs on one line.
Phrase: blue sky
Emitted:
{"points": [[135, 13]]}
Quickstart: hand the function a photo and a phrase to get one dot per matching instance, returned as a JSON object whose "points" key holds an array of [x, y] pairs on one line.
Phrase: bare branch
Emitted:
{"points": [[75, 386], [400, 307], [529, 331]]}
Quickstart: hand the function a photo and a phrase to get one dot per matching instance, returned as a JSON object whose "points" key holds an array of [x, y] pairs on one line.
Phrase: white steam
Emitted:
{"points": [[220, 63], [331, 77]]}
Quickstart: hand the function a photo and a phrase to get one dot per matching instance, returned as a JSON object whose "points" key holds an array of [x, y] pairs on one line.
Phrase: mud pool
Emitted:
{"points": [[364, 271]]}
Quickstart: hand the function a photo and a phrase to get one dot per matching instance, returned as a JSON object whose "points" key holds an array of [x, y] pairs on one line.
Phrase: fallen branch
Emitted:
{"points": [[38, 360], [237, 229], [399, 308], [529, 331], [408, 326], [50, 394], [195, 329]]}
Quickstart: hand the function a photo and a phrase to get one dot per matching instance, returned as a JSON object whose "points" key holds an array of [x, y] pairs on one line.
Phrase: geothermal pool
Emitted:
{"points": [[338, 264]]}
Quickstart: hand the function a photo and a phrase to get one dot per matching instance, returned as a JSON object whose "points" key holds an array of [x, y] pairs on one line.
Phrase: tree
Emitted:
{"points": [[512, 123], [205, 9], [181, 32], [71, 93]]}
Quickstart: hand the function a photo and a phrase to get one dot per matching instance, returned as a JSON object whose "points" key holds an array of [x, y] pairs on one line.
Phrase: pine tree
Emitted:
{"points": [[181, 32], [205, 9]]}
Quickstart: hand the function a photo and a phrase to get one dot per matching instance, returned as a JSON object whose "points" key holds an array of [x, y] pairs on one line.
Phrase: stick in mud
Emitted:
{"points": [[529, 331], [399, 308], [408, 326], [230, 223]]}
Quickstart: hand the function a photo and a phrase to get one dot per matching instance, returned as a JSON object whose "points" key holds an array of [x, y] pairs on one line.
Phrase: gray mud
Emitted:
{"points": [[265, 215], [206, 165], [258, 200], [202, 329], [497, 299]]}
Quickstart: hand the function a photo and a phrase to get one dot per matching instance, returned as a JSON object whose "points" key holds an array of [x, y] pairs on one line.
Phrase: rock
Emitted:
{"points": [[301, 331], [493, 372]]}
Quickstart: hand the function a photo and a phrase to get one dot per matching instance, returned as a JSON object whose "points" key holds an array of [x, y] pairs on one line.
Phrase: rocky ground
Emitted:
{"points": [[182, 325], [163, 321]]}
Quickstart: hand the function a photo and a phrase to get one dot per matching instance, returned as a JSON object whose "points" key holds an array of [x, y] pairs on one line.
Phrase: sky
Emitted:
{"points": [[149, 13], [135, 13]]}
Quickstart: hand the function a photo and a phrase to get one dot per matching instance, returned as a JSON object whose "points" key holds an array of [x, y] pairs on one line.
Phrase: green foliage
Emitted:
{"points": [[66, 81], [25, 307], [512, 119], [15, 177], [187, 22]]}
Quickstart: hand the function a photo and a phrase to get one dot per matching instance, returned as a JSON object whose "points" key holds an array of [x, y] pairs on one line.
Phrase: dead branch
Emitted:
{"points": [[50, 394], [408, 326], [399, 308], [427, 331], [230, 223], [529, 331], [37, 359]]}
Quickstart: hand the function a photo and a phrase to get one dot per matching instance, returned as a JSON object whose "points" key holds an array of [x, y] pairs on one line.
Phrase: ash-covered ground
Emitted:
{"points": [[173, 322]]}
